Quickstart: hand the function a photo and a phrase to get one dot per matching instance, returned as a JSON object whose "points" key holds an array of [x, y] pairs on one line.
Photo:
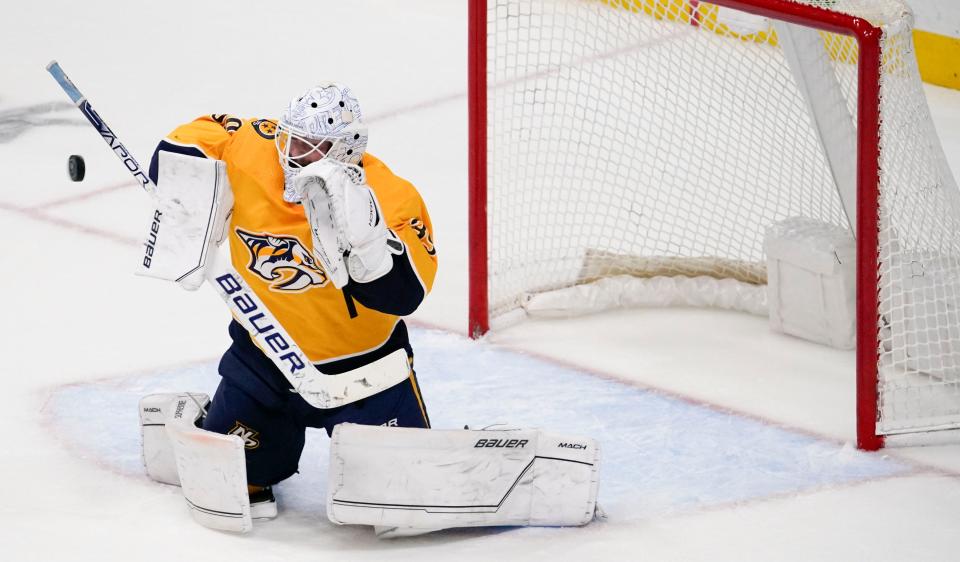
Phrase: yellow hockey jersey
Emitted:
{"points": [[270, 244]]}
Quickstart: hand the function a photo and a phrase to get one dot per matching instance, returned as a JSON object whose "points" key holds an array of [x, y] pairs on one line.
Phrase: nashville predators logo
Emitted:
{"points": [[283, 260], [248, 435]]}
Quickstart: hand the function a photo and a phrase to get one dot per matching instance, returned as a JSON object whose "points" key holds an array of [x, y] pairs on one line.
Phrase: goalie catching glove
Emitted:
{"points": [[350, 237]]}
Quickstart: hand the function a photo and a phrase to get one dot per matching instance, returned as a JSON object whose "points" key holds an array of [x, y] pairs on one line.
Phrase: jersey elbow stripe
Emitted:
{"points": [[416, 270], [169, 146], [180, 148]]}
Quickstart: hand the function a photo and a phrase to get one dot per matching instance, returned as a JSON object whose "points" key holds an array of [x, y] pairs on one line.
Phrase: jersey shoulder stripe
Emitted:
{"points": [[169, 146]]}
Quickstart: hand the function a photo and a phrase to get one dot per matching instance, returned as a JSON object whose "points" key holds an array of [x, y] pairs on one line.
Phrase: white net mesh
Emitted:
{"points": [[919, 277], [662, 137]]}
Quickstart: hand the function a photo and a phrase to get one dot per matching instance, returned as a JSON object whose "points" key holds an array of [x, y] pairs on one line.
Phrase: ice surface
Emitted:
{"points": [[735, 449], [660, 454]]}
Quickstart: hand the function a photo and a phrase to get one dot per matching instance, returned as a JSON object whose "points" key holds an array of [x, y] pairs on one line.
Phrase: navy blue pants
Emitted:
{"points": [[273, 426]]}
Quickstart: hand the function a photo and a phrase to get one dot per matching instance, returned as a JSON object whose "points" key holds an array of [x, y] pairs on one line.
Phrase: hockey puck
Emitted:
{"points": [[76, 167]]}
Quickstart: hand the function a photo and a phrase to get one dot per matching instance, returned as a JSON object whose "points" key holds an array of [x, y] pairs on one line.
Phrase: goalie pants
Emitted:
{"points": [[273, 422]]}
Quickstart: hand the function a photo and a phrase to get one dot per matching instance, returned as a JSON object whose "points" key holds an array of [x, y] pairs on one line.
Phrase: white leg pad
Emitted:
{"points": [[156, 448], [429, 479], [212, 471]]}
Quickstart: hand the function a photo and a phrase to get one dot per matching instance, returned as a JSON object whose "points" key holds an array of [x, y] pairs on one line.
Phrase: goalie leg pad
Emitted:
{"points": [[212, 472], [156, 447], [412, 479]]}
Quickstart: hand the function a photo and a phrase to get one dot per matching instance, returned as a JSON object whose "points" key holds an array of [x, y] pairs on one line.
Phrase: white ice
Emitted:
{"points": [[736, 448]]}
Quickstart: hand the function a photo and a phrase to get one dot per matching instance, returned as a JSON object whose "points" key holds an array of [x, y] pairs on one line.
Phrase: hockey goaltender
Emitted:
{"points": [[327, 251]]}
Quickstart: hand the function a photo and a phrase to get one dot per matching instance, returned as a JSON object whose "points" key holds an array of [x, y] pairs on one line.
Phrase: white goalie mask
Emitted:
{"points": [[323, 122]]}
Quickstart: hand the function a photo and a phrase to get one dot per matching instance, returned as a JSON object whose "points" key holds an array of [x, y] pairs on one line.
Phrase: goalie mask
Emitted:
{"points": [[324, 122]]}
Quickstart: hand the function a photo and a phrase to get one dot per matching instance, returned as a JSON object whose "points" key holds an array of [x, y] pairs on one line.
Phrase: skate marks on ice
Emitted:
{"points": [[660, 455], [16, 121]]}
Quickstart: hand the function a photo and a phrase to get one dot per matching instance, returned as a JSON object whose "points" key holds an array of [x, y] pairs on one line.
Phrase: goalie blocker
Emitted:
{"points": [[388, 478]]}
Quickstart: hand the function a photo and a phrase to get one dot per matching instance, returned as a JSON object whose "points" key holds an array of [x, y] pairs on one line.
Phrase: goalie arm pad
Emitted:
{"points": [[389, 477], [400, 291]]}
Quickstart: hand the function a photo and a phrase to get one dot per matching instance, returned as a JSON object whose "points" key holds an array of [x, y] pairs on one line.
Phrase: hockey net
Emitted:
{"points": [[656, 140]]}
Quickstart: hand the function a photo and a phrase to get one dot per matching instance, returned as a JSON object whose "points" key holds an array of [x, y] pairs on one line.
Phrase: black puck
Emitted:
{"points": [[76, 167]]}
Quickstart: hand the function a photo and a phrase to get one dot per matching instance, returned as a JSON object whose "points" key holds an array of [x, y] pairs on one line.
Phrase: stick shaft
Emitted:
{"points": [[129, 162]]}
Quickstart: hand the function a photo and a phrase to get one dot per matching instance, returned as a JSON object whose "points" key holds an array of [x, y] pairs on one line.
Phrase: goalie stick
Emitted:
{"points": [[108, 135], [319, 390]]}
